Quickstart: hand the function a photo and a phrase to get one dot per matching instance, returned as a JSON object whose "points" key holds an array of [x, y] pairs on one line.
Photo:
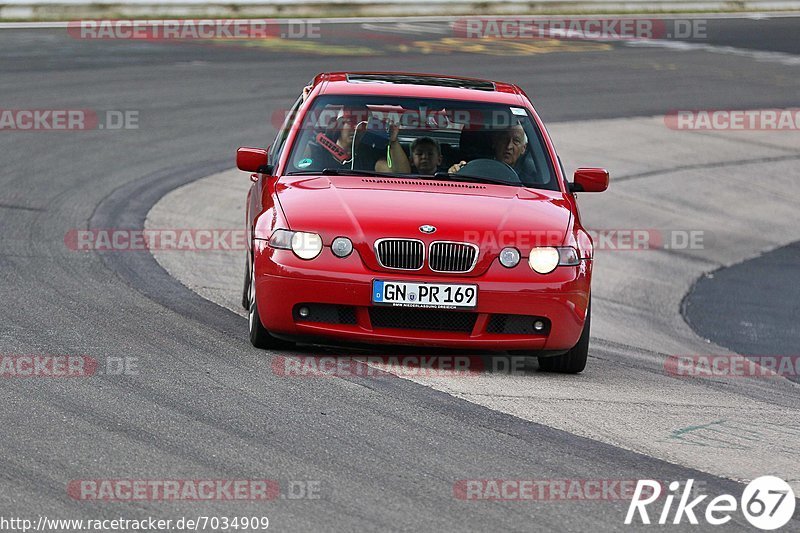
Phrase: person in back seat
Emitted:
{"points": [[426, 156]]}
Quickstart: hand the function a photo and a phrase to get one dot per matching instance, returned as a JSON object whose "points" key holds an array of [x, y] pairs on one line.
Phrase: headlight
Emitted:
{"points": [[306, 245], [509, 257], [545, 260], [342, 247]]}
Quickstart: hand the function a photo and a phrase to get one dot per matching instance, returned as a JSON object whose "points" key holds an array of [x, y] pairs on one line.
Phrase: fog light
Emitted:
{"points": [[509, 257], [341, 246], [538, 325], [304, 312]]}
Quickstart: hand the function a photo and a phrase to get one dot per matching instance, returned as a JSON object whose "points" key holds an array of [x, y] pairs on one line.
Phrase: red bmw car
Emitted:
{"points": [[419, 210]]}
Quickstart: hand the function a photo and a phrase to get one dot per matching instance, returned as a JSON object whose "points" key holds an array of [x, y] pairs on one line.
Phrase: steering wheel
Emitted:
{"points": [[491, 168]]}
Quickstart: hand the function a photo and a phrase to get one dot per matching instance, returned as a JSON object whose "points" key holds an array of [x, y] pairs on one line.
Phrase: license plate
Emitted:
{"points": [[409, 294]]}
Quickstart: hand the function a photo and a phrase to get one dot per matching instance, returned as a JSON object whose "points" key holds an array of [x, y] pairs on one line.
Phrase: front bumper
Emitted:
{"points": [[283, 282]]}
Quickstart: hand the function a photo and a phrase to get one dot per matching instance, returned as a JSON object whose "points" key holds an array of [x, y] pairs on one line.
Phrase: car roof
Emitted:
{"points": [[416, 85]]}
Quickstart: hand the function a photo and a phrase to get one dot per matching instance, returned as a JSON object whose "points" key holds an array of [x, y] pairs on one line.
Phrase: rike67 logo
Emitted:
{"points": [[767, 502]]}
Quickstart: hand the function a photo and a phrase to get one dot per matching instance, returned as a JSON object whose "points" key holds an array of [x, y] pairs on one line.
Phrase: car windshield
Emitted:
{"points": [[448, 139]]}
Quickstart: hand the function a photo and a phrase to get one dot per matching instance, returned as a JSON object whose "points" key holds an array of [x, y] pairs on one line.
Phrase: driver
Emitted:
{"points": [[507, 146]]}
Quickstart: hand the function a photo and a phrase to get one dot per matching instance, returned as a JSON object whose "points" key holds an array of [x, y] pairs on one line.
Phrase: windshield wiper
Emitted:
{"points": [[353, 172], [475, 179]]}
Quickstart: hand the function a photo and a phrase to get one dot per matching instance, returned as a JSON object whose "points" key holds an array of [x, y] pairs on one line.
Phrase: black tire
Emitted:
{"points": [[259, 336], [574, 361], [246, 289]]}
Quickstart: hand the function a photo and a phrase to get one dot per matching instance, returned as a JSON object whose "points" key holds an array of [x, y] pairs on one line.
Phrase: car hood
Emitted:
{"points": [[366, 209]]}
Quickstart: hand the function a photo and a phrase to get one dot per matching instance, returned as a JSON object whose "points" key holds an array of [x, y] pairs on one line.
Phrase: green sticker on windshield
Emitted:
{"points": [[303, 163]]}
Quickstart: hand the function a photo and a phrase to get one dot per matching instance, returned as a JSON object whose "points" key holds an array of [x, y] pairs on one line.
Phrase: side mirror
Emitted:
{"points": [[589, 180], [251, 159]]}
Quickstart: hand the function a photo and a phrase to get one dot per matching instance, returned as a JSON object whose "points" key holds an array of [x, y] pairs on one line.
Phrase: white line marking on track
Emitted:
{"points": [[683, 46]]}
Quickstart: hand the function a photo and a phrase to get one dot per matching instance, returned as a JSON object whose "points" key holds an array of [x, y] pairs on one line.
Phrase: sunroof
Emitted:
{"points": [[421, 80]]}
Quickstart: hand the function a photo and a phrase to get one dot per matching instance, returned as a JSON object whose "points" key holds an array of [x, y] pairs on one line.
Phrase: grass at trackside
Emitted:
{"points": [[322, 14]]}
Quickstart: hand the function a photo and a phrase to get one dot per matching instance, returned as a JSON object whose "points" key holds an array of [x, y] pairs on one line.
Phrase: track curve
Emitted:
{"points": [[385, 452]]}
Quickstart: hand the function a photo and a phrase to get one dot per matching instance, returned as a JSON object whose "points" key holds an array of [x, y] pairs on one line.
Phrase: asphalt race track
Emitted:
{"points": [[755, 319], [386, 453]]}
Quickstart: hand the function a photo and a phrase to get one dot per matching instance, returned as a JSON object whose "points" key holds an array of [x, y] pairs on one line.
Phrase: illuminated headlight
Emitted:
{"points": [[342, 247], [304, 245], [509, 257], [545, 260]]}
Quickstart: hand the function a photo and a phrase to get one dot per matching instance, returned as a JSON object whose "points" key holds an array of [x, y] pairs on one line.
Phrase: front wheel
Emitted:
{"points": [[246, 288], [259, 336], [573, 361]]}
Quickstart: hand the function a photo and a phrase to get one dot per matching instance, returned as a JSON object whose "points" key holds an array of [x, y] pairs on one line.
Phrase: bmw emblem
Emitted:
{"points": [[427, 228]]}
